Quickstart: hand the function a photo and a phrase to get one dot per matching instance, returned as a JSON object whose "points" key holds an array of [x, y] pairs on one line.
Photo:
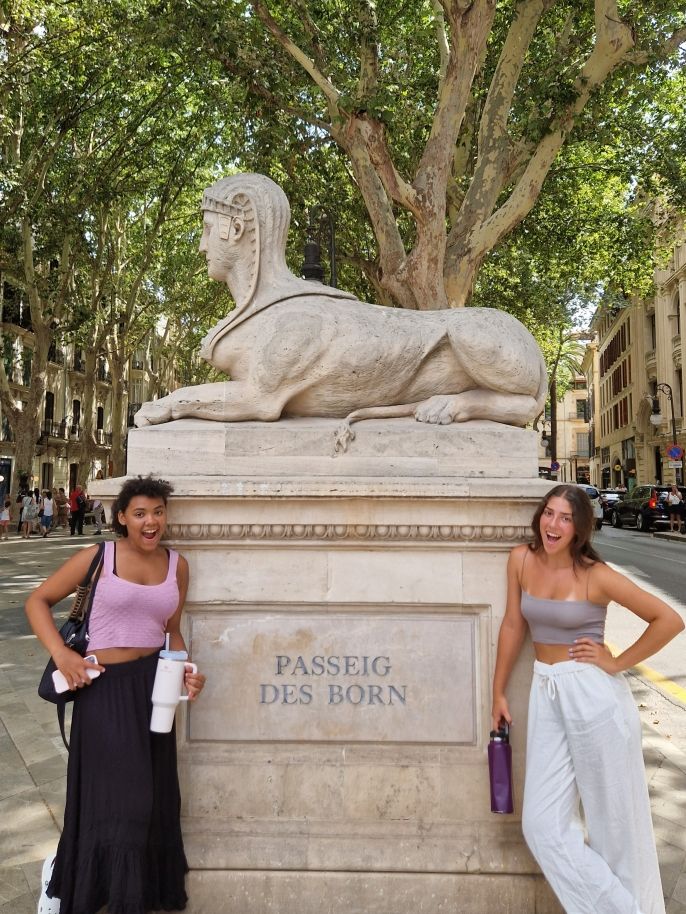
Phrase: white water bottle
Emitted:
{"points": [[167, 690]]}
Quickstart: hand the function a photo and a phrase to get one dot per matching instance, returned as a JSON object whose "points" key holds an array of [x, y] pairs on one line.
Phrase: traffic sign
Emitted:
{"points": [[675, 452], [675, 464], [554, 465]]}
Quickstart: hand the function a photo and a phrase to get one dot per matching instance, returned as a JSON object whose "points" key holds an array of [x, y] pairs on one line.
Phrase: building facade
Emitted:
{"points": [[58, 448], [572, 439], [639, 413]]}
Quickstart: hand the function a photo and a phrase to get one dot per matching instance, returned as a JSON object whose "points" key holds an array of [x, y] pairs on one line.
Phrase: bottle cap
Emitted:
{"points": [[173, 655]]}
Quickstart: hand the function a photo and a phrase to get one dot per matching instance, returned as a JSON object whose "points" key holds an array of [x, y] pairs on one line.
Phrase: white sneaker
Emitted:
{"points": [[47, 905]]}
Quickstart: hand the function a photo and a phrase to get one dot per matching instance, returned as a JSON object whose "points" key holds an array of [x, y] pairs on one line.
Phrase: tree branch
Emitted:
{"points": [[369, 51], [373, 136], [494, 142], [315, 74], [509, 67], [668, 47], [470, 25], [274, 101], [614, 41]]}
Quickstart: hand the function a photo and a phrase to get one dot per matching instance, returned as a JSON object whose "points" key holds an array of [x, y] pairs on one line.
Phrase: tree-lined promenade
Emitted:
{"points": [[499, 154]]}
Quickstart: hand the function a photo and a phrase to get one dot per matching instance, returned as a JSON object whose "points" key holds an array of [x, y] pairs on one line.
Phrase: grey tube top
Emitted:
{"points": [[563, 621]]}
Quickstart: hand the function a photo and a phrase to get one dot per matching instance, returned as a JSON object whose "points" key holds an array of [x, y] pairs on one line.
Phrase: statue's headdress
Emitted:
{"points": [[231, 204]]}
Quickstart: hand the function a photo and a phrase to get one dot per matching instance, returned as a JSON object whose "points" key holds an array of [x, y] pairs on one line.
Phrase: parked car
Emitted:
{"points": [[608, 498], [645, 507], [596, 503]]}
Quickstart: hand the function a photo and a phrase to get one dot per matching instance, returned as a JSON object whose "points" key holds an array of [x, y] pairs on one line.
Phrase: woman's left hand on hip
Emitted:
{"points": [[584, 650]]}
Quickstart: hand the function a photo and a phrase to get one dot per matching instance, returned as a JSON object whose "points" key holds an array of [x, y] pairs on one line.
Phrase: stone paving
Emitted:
{"points": [[33, 758]]}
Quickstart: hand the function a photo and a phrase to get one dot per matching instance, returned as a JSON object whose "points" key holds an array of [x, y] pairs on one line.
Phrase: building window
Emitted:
{"points": [[101, 418], [679, 392], [26, 365], [582, 444], [582, 410], [8, 358], [49, 406], [75, 416]]}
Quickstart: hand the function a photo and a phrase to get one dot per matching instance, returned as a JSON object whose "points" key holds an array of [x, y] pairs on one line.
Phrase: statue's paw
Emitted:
{"points": [[342, 438], [152, 413], [437, 410]]}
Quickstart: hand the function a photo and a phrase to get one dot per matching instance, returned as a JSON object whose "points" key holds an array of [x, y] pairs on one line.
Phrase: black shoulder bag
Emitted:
{"points": [[74, 633]]}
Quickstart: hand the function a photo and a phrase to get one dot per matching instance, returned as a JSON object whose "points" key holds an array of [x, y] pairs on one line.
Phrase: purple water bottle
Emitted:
{"points": [[500, 769]]}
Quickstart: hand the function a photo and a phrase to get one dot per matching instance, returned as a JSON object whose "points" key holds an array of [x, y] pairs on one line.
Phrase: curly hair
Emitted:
{"points": [[583, 553], [147, 486]]}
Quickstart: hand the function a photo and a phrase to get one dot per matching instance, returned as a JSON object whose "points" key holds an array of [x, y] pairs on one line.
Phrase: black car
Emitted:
{"points": [[645, 507], [608, 499]]}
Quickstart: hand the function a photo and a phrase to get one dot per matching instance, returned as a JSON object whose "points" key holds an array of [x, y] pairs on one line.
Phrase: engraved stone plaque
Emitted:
{"points": [[386, 676]]}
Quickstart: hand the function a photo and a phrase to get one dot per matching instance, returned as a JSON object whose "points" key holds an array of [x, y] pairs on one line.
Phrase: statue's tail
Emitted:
{"points": [[344, 434]]}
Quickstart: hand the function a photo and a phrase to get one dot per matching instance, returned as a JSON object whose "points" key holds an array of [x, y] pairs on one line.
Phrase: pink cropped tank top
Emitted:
{"points": [[562, 621], [126, 614]]}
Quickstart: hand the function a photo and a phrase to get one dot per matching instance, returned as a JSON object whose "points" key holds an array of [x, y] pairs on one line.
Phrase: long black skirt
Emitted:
{"points": [[121, 845]]}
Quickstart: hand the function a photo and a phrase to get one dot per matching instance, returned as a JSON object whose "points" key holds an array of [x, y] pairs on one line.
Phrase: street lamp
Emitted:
{"points": [[312, 267], [656, 417]]}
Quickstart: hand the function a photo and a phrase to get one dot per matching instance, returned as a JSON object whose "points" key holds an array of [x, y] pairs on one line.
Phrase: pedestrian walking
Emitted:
{"points": [[584, 735], [29, 513], [62, 505], [98, 514], [36, 525], [47, 514], [121, 846], [5, 517], [675, 506], [77, 508]]}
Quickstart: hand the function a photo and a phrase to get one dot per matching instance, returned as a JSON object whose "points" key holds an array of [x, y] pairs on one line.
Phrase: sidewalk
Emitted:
{"points": [[33, 759]]}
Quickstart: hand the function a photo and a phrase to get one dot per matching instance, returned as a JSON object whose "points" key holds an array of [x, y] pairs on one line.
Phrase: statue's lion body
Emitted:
{"points": [[298, 348]]}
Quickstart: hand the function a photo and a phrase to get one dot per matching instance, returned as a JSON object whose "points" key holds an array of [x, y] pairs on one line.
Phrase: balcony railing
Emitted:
{"points": [[103, 374], [18, 316], [53, 429], [138, 364], [78, 364], [103, 438], [55, 355]]}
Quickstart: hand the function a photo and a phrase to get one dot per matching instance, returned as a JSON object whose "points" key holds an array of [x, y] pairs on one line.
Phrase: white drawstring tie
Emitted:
{"points": [[548, 683]]}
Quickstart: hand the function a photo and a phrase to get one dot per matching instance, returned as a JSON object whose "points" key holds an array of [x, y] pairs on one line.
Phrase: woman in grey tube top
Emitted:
{"points": [[584, 735]]}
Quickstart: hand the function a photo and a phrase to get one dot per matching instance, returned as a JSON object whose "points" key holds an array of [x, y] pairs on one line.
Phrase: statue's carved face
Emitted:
{"points": [[219, 243]]}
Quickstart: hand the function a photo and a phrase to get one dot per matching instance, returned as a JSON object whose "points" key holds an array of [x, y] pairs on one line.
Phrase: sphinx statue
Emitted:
{"points": [[295, 347]]}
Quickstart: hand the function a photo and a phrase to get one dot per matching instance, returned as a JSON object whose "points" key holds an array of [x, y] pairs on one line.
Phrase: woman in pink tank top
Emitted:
{"points": [[583, 748], [121, 846]]}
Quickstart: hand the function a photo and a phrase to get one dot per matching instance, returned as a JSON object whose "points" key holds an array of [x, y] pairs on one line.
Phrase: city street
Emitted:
{"points": [[658, 565]]}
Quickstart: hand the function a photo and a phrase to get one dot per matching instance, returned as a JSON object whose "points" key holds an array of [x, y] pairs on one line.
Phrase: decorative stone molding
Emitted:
{"points": [[455, 533]]}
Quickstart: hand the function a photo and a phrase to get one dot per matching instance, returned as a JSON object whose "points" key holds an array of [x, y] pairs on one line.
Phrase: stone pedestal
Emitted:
{"points": [[346, 611]]}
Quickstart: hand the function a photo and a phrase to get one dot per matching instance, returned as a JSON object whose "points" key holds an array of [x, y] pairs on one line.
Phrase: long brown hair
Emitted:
{"points": [[582, 551]]}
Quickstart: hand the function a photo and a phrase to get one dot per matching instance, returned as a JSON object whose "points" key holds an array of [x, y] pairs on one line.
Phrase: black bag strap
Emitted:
{"points": [[79, 610], [92, 578], [93, 574]]}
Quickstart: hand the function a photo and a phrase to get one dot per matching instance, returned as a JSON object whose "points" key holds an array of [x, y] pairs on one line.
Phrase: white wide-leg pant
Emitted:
{"points": [[584, 746]]}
